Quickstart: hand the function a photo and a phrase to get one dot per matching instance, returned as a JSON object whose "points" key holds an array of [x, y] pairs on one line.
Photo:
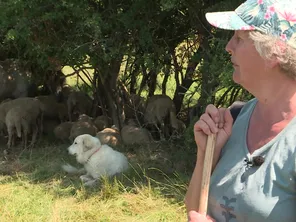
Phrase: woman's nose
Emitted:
{"points": [[229, 46]]}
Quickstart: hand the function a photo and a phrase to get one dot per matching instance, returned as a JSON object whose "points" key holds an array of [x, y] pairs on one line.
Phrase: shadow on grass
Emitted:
{"points": [[162, 167]]}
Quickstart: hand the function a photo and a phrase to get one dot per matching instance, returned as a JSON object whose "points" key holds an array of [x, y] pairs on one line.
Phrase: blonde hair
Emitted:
{"points": [[270, 47]]}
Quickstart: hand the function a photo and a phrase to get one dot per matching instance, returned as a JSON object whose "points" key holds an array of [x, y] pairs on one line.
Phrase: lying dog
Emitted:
{"points": [[98, 160]]}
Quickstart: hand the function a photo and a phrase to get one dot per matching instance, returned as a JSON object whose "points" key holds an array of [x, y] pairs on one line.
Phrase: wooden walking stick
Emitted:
{"points": [[206, 174]]}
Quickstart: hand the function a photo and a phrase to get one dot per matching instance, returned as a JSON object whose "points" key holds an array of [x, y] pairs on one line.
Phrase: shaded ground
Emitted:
{"points": [[160, 161]]}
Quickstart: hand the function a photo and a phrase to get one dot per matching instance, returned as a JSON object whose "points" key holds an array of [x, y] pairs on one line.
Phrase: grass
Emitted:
{"points": [[34, 188]]}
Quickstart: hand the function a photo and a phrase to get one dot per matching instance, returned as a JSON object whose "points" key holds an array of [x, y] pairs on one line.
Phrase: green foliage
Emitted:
{"points": [[167, 38]]}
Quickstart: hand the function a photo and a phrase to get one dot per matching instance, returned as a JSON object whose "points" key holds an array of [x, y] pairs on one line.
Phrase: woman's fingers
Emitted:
{"points": [[208, 125], [209, 121], [213, 112], [213, 120], [221, 118]]}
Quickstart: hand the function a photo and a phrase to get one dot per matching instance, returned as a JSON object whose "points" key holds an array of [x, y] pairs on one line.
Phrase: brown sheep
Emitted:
{"points": [[52, 109], [84, 125], [48, 127], [62, 112], [178, 128], [80, 103], [63, 93], [160, 112], [109, 136], [85, 118], [132, 134], [24, 119], [102, 122], [63, 130]]}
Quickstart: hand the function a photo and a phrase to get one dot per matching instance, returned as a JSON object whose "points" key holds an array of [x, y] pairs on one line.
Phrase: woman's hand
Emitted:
{"points": [[214, 120], [193, 216]]}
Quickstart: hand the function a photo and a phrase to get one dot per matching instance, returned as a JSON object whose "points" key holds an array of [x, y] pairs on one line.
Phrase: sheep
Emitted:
{"points": [[132, 134], [160, 112], [110, 136], [102, 122], [84, 125], [85, 118], [80, 103], [62, 112], [63, 130], [6, 106], [48, 127], [52, 109], [24, 119], [178, 128]]}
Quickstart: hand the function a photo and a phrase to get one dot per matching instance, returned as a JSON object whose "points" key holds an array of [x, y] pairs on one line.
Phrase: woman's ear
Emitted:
{"points": [[280, 49], [272, 63]]}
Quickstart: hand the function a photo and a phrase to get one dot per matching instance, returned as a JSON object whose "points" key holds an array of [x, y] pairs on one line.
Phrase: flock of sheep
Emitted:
{"points": [[26, 116], [65, 113]]}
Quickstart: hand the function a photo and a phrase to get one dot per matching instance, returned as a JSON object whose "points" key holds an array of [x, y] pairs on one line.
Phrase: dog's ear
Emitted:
{"points": [[87, 143]]}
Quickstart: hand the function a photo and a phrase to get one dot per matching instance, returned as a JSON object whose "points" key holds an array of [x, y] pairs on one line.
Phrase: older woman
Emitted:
{"points": [[254, 167]]}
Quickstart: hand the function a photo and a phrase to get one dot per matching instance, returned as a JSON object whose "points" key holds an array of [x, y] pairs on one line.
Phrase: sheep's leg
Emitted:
{"points": [[70, 112], [25, 139], [160, 130], [166, 131], [24, 134], [9, 129], [39, 126], [18, 128], [2, 132], [40, 123], [13, 140], [34, 136]]}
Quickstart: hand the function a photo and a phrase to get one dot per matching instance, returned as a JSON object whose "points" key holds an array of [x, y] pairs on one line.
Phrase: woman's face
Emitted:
{"points": [[249, 67]]}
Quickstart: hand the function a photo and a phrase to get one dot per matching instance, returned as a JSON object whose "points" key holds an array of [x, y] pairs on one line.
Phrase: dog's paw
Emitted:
{"points": [[69, 169], [85, 178], [90, 183]]}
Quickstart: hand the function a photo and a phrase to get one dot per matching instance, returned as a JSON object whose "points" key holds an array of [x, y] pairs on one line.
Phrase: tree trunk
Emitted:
{"points": [[182, 88]]}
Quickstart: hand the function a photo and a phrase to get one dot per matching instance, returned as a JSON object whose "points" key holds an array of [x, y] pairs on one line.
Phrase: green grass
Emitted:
{"points": [[34, 188]]}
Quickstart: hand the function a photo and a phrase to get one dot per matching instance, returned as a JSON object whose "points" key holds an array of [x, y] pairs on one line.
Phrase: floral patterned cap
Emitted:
{"points": [[272, 17]]}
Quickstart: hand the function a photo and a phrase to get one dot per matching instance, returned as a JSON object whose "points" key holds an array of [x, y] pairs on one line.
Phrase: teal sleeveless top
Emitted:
{"points": [[242, 190]]}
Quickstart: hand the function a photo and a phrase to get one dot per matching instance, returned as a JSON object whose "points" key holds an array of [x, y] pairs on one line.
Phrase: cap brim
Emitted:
{"points": [[227, 20]]}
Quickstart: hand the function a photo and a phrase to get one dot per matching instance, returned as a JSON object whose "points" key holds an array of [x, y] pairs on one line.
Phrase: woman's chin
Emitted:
{"points": [[235, 78]]}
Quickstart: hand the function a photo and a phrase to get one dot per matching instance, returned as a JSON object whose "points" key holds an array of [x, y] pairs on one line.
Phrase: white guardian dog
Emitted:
{"points": [[98, 160]]}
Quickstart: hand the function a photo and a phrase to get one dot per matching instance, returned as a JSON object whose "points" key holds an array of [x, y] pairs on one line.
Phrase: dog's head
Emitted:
{"points": [[82, 144]]}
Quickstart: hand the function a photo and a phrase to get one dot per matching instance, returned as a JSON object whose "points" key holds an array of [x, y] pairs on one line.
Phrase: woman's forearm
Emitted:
{"points": [[193, 191]]}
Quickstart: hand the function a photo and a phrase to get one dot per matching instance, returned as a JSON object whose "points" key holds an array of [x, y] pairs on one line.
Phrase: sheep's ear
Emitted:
{"points": [[87, 143]]}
